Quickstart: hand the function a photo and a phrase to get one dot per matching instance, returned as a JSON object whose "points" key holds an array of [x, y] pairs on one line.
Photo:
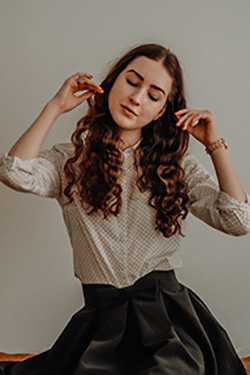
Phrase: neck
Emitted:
{"points": [[129, 139]]}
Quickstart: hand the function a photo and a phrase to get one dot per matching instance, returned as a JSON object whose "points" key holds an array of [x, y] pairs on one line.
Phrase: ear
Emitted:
{"points": [[159, 114]]}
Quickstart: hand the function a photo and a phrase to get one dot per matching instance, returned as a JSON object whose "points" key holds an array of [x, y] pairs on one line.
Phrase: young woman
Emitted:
{"points": [[125, 185]]}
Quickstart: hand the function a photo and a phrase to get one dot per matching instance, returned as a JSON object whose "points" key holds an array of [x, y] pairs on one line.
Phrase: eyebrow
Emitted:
{"points": [[142, 79]]}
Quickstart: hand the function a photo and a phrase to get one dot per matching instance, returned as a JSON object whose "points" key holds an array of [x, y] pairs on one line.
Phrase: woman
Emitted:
{"points": [[125, 188]]}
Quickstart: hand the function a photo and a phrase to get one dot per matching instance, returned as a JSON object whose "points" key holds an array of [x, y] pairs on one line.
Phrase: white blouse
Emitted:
{"points": [[119, 250]]}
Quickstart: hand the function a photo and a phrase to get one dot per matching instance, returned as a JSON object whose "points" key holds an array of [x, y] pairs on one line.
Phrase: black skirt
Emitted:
{"points": [[156, 326]]}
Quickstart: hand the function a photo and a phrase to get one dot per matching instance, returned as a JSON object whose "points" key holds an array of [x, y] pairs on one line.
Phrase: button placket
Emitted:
{"points": [[127, 164]]}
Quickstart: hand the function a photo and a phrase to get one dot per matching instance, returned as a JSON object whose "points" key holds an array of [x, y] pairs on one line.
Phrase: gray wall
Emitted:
{"points": [[43, 42]]}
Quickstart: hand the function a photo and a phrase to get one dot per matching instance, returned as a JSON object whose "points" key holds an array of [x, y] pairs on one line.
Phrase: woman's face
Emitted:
{"points": [[139, 94]]}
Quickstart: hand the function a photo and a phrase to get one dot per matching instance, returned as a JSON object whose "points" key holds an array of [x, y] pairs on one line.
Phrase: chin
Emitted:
{"points": [[123, 123]]}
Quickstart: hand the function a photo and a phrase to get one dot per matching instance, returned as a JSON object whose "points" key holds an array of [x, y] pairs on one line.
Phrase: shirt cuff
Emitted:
{"points": [[15, 163], [226, 202]]}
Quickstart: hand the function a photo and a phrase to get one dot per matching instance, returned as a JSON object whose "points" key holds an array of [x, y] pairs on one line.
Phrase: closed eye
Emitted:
{"points": [[136, 84], [132, 83], [152, 98]]}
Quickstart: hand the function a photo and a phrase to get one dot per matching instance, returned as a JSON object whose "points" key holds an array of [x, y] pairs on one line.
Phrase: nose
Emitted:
{"points": [[134, 101], [136, 98]]}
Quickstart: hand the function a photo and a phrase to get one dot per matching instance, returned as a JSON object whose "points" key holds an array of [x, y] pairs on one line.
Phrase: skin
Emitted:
{"points": [[199, 123], [138, 98], [142, 87]]}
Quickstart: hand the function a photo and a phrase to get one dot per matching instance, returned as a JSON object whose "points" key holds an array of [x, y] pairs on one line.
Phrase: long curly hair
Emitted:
{"points": [[96, 165]]}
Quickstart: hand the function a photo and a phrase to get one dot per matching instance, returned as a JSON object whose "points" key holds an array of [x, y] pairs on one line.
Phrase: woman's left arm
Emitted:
{"points": [[202, 126]]}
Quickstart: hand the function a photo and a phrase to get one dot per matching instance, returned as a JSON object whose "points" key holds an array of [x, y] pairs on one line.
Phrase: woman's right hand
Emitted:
{"points": [[65, 99]]}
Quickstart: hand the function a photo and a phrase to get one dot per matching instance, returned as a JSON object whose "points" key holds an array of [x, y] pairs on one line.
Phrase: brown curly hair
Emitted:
{"points": [[96, 165]]}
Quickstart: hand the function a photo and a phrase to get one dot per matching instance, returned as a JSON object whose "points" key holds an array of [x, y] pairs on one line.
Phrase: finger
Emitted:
{"points": [[77, 76], [189, 120], [91, 87], [184, 118], [82, 74], [182, 111], [195, 121], [84, 78], [188, 123], [84, 96], [74, 79], [88, 84]]}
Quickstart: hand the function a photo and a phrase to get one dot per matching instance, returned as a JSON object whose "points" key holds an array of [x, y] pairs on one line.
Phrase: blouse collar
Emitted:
{"points": [[131, 148]]}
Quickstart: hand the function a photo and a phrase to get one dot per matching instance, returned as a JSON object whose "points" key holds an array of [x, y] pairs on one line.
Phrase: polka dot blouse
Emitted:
{"points": [[122, 249]]}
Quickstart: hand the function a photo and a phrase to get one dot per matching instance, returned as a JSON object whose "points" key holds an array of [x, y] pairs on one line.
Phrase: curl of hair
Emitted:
{"points": [[96, 165], [161, 152]]}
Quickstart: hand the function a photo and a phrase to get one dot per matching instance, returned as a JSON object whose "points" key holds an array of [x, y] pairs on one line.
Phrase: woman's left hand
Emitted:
{"points": [[199, 123]]}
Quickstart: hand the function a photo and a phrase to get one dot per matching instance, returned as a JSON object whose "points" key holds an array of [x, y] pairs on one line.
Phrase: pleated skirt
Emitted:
{"points": [[156, 326]]}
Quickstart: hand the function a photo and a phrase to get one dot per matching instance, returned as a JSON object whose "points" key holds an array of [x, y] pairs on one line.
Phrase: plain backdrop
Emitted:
{"points": [[42, 43]]}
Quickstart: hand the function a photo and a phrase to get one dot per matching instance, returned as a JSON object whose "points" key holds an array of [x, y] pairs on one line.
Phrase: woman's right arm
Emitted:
{"points": [[29, 144]]}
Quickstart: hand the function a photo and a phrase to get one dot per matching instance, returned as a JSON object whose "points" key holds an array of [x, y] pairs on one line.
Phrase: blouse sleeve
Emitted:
{"points": [[208, 203], [41, 175]]}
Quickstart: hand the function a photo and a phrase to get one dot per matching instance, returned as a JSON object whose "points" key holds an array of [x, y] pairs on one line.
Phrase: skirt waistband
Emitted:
{"points": [[96, 294]]}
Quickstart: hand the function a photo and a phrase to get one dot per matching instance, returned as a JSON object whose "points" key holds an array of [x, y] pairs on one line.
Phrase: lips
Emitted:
{"points": [[129, 110]]}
